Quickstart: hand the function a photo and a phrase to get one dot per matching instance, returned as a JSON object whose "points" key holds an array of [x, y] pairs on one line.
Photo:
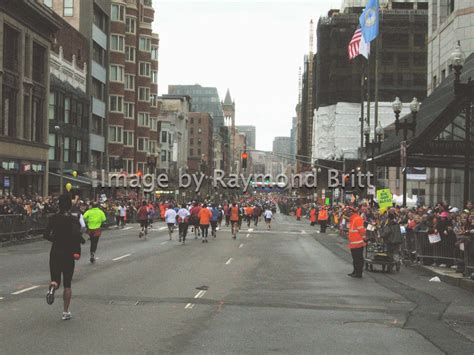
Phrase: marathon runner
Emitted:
{"points": [[64, 231], [142, 217], [183, 220], [170, 218], [268, 215], [234, 219], [214, 219], [205, 216], [94, 219]]}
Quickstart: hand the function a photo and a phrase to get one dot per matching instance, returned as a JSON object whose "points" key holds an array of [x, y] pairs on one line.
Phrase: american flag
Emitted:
{"points": [[354, 44], [357, 45]]}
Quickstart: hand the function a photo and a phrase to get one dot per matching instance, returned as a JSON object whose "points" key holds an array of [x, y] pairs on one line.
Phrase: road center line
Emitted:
{"points": [[248, 235], [163, 243], [1, 298], [25, 290], [241, 245], [121, 257], [250, 229], [303, 232], [200, 294], [229, 261]]}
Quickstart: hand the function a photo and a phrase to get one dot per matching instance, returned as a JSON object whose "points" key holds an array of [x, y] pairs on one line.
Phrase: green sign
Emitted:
{"points": [[384, 198], [327, 202]]}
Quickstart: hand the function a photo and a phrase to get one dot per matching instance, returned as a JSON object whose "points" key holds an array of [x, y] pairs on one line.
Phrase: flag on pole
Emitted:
{"points": [[369, 21], [357, 45]]}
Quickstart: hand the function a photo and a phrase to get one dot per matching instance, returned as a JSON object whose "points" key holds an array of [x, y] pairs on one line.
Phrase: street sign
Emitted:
{"points": [[403, 154], [371, 190]]}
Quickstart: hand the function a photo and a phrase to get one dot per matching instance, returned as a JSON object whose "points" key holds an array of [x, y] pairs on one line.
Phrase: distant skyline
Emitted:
{"points": [[253, 48]]}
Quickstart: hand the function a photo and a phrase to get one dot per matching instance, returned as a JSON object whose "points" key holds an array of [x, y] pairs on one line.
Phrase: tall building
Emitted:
{"points": [[293, 140], [200, 143], [204, 99], [449, 22], [69, 111], [174, 141], [251, 133], [228, 108], [27, 29], [282, 147], [92, 20], [133, 77], [402, 55]]}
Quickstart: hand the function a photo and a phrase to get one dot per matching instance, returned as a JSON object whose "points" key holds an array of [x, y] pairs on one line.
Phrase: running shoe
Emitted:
{"points": [[140, 234], [67, 315], [50, 295], [92, 259]]}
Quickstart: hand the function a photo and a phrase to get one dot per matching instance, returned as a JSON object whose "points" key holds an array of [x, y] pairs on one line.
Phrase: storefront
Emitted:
{"points": [[21, 177]]}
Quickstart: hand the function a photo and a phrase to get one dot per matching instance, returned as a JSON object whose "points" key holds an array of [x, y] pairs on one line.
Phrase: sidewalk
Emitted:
{"points": [[449, 276]]}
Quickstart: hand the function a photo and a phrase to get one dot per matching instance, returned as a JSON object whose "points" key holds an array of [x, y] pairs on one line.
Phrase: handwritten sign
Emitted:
{"points": [[384, 198]]}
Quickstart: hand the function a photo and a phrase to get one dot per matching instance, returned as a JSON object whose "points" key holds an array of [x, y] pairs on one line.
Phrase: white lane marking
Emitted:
{"points": [[1, 298], [127, 228], [248, 235], [163, 243], [189, 306], [241, 245], [229, 261], [121, 257], [200, 294], [25, 290], [250, 229], [303, 232], [162, 228]]}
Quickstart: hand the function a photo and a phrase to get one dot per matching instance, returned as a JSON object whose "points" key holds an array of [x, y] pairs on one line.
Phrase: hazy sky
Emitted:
{"points": [[252, 47]]}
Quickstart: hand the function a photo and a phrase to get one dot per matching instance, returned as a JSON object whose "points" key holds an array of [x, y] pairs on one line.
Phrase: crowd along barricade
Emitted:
{"points": [[433, 250], [18, 226]]}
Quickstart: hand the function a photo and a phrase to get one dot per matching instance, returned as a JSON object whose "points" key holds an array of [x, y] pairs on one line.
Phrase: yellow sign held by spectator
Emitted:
{"points": [[384, 198]]}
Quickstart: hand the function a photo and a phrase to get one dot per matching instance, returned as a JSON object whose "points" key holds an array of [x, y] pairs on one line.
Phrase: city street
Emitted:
{"points": [[280, 291]]}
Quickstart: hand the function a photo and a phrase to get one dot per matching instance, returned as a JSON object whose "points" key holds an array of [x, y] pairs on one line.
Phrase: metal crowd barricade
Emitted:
{"points": [[443, 252], [17, 226]]}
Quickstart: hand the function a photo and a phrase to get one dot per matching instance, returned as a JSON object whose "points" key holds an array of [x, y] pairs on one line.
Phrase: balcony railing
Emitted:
{"points": [[67, 71]]}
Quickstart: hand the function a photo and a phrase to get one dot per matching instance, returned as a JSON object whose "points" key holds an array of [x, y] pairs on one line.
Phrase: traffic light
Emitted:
{"points": [[244, 157]]}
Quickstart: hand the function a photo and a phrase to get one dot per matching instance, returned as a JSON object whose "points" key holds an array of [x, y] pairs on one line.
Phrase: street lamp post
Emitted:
{"points": [[61, 159], [405, 126], [465, 90]]}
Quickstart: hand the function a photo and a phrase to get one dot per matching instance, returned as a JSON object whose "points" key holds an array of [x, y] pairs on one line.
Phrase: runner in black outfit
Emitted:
{"points": [[64, 231]]}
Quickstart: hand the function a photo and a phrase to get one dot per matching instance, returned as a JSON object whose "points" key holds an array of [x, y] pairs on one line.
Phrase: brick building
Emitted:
{"points": [[27, 28], [201, 147], [133, 75]]}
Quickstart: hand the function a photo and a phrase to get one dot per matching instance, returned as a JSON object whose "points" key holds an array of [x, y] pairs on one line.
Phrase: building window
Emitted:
{"points": [[163, 155], [129, 110], [144, 119], [117, 13], [96, 125], [144, 94], [98, 54], [52, 106], [99, 19], [129, 82], [68, 8], [39, 60], [116, 104], [419, 40], [116, 73], [191, 141], [128, 138], [153, 100], [154, 53], [66, 148], [131, 25], [435, 81], [98, 89], [67, 109], [115, 134], [48, 3], [52, 146], [191, 152], [10, 48], [145, 69], [145, 44], [78, 151], [143, 144], [452, 5], [154, 77], [141, 167], [154, 124], [128, 166], [130, 54], [117, 43], [152, 148]]}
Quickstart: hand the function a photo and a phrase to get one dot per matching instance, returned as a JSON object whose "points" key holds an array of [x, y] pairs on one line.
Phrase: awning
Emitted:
{"points": [[79, 179], [437, 111]]}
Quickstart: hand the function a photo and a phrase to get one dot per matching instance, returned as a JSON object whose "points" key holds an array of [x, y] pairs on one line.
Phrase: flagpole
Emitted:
{"points": [[362, 103], [377, 54]]}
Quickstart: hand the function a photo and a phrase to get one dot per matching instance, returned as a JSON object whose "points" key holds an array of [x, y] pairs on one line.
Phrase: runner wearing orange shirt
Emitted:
{"points": [[205, 216]]}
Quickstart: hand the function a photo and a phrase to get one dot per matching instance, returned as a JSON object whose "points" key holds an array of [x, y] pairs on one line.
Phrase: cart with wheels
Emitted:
{"points": [[380, 254]]}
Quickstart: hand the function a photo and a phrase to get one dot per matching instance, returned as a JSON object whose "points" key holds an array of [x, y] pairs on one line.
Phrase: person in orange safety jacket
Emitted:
{"points": [[312, 216], [299, 212], [323, 219], [356, 241]]}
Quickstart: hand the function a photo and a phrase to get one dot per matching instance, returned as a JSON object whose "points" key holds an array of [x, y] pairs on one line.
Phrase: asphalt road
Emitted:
{"points": [[281, 291]]}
